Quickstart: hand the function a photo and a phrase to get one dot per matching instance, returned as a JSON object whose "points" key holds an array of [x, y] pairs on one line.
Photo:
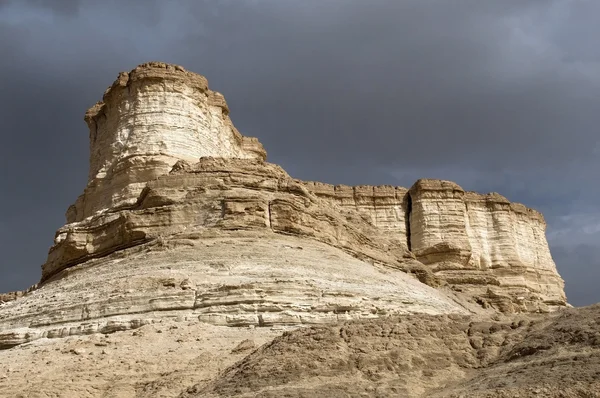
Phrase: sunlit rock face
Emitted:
{"points": [[488, 245], [481, 244], [183, 217], [149, 119]]}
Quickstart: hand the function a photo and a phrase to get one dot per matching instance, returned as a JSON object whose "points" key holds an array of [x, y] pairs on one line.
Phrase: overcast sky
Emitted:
{"points": [[496, 95]]}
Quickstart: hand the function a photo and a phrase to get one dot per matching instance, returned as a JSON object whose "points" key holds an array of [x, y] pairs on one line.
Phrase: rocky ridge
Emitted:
{"points": [[182, 216]]}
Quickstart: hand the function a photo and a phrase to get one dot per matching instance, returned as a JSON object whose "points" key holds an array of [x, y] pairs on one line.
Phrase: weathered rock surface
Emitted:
{"points": [[495, 249], [222, 194], [232, 278], [149, 119], [484, 245], [182, 216], [517, 356], [386, 207], [10, 296], [424, 356], [157, 360]]}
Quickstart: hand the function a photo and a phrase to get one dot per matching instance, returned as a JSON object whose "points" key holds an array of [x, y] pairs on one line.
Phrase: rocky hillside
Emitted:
{"points": [[185, 238], [183, 214], [424, 356], [409, 356]]}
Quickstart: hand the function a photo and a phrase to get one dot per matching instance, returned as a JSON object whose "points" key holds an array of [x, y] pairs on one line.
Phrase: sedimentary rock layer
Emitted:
{"points": [[484, 241], [483, 244], [225, 194], [168, 169], [422, 356], [231, 278], [385, 206], [149, 119], [160, 114]]}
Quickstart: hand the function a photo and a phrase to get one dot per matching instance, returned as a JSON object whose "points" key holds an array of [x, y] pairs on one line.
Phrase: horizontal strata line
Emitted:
{"points": [[92, 319], [56, 273]]}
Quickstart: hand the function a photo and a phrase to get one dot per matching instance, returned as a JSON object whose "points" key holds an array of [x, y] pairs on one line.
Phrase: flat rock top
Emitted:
{"points": [[426, 184], [152, 71], [161, 70]]}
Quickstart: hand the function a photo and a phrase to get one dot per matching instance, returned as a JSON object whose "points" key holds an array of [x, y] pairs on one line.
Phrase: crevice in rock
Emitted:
{"points": [[269, 221], [407, 214]]}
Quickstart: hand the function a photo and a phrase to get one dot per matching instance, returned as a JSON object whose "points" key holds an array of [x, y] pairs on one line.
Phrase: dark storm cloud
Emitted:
{"points": [[499, 96], [63, 7], [584, 267]]}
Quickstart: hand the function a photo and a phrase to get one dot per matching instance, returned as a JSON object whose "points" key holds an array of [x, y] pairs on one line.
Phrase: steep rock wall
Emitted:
{"points": [[225, 194], [495, 247], [384, 206], [149, 119], [146, 183], [478, 243]]}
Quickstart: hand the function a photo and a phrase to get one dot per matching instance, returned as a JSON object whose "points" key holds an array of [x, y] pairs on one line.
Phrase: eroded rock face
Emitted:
{"points": [[149, 119], [481, 244], [386, 207], [231, 278], [424, 356], [495, 249], [183, 215], [223, 194]]}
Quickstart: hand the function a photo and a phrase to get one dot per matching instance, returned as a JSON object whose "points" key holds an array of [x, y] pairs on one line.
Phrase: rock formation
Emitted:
{"points": [[555, 355], [482, 244], [183, 217], [424, 356], [147, 120]]}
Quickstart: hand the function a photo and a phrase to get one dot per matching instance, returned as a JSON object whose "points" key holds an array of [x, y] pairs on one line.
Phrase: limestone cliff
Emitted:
{"points": [[182, 216], [495, 249], [483, 244], [386, 207], [147, 120]]}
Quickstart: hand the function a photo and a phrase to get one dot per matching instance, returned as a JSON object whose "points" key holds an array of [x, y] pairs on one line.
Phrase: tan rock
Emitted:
{"points": [[149, 119], [385, 206], [239, 278], [470, 238], [183, 218]]}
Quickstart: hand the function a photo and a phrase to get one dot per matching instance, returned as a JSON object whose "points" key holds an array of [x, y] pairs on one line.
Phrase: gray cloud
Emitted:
{"points": [[582, 264], [498, 96], [59, 7]]}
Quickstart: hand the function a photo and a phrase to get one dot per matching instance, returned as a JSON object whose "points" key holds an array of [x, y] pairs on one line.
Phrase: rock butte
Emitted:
{"points": [[183, 217]]}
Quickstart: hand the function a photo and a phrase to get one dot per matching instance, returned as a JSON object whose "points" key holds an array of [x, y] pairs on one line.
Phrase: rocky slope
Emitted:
{"points": [[424, 356], [235, 278], [182, 216], [517, 356]]}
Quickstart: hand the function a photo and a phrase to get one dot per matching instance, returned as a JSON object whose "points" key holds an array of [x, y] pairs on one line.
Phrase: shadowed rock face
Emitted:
{"points": [[169, 170]]}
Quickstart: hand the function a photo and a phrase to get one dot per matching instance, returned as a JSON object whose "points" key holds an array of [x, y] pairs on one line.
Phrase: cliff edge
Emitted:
{"points": [[183, 217]]}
